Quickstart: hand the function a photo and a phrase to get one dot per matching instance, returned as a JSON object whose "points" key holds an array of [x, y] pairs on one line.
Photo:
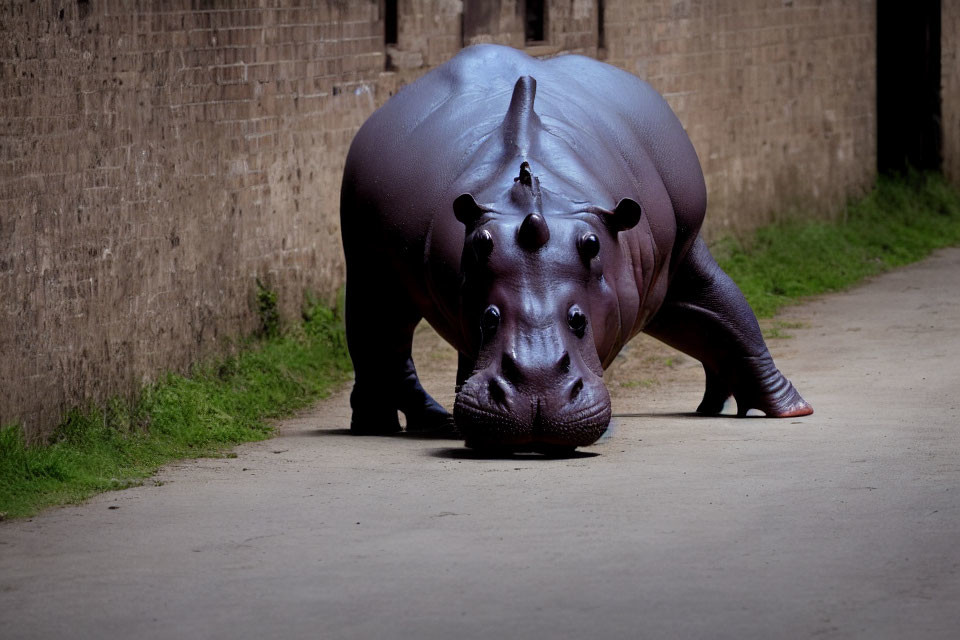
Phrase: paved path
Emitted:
{"points": [[844, 524]]}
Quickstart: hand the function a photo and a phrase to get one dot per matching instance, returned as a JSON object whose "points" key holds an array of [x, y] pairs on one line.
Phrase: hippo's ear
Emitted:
{"points": [[467, 210], [625, 216]]}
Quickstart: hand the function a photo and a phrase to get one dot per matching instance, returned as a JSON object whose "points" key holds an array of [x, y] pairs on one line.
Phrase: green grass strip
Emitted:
{"points": [[901, 221], [228, 402], [217, 406]]}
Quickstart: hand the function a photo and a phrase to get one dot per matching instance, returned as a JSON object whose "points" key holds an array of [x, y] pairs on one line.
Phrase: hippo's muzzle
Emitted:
{"points": [[509, 406]]}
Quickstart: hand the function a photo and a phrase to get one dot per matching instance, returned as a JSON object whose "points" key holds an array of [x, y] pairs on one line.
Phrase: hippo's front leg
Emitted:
{"points": [[380, 325], [706, 316]]}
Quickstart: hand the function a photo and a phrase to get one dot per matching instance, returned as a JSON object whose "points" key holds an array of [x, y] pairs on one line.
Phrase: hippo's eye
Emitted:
{"points": [[482, 244], [577, 320], [490, 320], [589, 246]]}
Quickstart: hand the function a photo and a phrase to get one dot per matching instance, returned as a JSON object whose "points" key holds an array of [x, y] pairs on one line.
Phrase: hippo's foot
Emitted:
{"points": [[431, 421], [374, 422], [378, 416], [756, 384]]}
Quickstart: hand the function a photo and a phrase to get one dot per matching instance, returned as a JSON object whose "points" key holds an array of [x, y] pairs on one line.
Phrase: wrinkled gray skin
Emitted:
{"points": [[436, 218]]}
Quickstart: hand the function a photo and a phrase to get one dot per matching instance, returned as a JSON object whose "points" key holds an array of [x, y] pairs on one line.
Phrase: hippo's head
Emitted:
{"points": [[539, 303]]}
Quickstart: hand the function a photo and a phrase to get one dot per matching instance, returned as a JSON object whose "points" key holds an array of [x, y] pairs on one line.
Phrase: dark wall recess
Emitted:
{"points": [[601, 27], [390, 22], [536, 19], [908, 85]]}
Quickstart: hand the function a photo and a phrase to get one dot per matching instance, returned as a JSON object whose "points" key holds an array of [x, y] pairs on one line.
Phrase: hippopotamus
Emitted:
{"points": [[538, 214]]}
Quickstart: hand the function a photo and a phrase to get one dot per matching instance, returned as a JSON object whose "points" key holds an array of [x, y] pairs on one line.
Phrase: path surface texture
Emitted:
{"points": [[845, 524]]}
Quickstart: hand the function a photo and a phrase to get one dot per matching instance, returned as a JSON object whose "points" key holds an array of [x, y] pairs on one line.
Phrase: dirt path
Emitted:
{"points": [[843, 524]]}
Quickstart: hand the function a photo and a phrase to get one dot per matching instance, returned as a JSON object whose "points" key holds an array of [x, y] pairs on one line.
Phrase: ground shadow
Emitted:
{"points": [[473, 454], [329, 432], [428, 435], [410, 435], [688, 414], [668, 414], [464, 453]]}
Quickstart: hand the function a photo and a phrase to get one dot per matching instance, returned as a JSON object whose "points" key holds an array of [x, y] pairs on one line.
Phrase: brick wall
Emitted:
{"points": [[950, 88], [156, 158], [779, 98]]}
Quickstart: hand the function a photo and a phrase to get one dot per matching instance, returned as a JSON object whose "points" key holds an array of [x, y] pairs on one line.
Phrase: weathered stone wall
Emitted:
{"points": [[950, 88], [157, 158]]}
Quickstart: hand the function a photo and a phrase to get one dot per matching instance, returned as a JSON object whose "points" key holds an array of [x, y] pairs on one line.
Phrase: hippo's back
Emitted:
{"points": [[607, 134]]}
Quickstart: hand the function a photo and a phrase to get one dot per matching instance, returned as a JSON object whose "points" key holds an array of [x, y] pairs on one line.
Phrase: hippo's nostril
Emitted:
{"points": [[576, 389], [509, 369], [497, 394], [564, 363]]}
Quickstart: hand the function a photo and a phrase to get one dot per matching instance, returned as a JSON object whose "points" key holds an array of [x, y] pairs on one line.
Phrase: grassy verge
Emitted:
{"points": [[224, 403], [900, 221], [218, 405]]}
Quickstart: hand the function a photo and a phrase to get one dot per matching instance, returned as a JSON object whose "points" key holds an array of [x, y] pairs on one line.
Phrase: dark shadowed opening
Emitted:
{"points": [[601, 27], [908, 85], [390, 22], [535, 20]]}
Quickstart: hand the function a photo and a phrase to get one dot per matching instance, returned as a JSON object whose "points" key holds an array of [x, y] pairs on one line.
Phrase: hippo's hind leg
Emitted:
{"points": [[380, 323], [706, 316]]}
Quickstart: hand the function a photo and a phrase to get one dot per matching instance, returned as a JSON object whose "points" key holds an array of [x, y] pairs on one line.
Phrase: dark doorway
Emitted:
{"points": [[908, 85], [390, 22], [601, 25], [535, 20]]}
